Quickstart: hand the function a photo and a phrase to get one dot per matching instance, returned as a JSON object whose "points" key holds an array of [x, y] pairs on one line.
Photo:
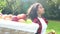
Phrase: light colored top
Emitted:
{"points": [[44, 25]]}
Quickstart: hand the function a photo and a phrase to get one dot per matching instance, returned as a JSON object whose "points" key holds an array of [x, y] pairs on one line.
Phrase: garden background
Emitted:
{"points": [[52, 10]]}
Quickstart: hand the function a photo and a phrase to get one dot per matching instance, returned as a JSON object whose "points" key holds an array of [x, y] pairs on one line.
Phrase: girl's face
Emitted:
{"points": [[40, 10]]}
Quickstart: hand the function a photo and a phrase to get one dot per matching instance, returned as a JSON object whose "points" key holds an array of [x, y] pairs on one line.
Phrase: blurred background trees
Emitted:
{"points": [[52, 7]]}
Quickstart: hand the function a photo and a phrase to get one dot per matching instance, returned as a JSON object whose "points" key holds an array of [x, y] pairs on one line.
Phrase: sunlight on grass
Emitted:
{"points": [[54, 25]]}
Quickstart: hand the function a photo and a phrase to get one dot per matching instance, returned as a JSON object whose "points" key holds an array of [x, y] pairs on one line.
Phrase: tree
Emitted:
{"points": [[2, 5]]}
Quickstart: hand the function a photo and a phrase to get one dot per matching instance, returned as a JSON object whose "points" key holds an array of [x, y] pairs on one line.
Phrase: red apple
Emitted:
{"points": [[14, 18], [22, 16]]}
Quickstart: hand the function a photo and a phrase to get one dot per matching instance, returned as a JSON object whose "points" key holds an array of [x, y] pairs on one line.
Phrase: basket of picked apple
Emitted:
{"points": [[20, 24]]}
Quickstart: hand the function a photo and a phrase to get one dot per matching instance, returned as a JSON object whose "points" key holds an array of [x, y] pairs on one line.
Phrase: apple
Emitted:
{"points": [[0, 16], [21, 20], [14, 18], [28, 21], [7, 17], [10, 15], [22, 16]]}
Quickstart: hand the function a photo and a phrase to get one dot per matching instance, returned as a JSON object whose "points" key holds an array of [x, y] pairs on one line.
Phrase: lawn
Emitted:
{"points": [[53, 24]]}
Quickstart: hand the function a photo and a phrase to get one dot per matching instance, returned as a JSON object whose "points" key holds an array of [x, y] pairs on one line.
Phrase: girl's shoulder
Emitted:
{"points": [[35, 20]]}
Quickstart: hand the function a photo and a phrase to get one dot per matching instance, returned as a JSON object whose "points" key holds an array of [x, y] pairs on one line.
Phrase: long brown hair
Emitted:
{"points": [[32, 11]]}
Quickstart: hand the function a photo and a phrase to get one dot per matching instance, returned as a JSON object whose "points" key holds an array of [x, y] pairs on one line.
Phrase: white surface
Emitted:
{"points": [[19, 26], [44, 25]]}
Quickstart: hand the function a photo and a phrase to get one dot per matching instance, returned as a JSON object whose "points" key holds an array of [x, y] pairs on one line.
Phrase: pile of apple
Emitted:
{"points": [[21, 18]]}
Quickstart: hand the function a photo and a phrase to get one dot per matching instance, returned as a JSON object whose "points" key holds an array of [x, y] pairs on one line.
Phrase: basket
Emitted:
{"points": [[9, 27]]}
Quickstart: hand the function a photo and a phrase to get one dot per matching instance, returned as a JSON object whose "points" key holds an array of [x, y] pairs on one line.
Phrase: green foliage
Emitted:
{"points": [[21, 6], [2, 5], [52, 11]]}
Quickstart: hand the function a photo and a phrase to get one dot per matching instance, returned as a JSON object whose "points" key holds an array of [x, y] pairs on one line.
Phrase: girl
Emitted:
{"points": [[35, 12]]}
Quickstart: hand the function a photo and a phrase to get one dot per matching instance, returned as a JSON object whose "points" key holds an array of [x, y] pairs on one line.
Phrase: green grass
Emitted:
{"points": [[53, 24]]}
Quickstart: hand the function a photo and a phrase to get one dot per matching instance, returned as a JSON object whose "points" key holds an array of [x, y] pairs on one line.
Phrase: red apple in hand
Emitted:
{"points": [[22, 16]]}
